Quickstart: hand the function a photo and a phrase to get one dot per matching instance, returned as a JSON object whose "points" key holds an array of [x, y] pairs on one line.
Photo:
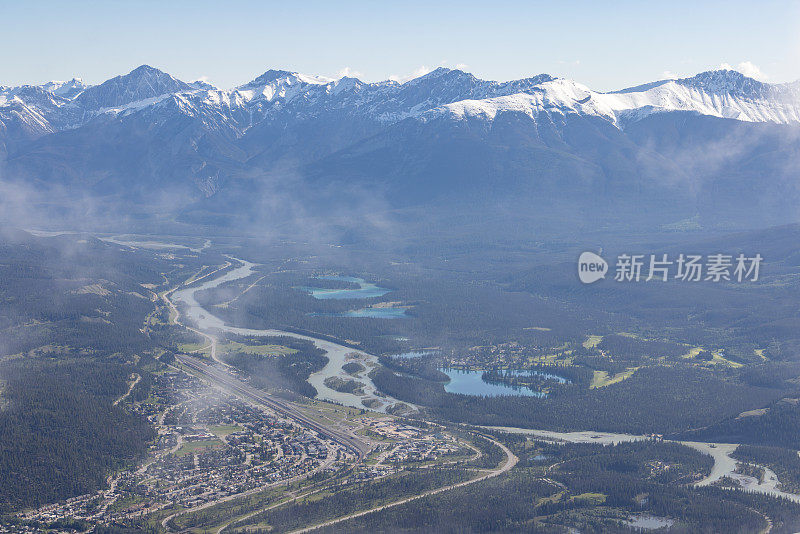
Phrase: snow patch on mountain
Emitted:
{"points": [[723, 94], [142, 83], [714, 101], [131, 107], [558, 96], [66, 89], [279, 84]]}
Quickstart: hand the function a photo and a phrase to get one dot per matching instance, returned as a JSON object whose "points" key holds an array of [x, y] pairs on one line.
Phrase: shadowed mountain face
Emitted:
{"points": [[719, 149]]}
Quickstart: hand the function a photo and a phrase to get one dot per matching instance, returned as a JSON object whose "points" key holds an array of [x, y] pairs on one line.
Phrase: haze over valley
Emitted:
{"points": [[434, 303]]}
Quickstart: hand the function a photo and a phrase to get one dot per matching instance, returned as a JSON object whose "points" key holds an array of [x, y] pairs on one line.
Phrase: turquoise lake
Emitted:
{"points": [[472, 383], [366, 290], [374, 313]]}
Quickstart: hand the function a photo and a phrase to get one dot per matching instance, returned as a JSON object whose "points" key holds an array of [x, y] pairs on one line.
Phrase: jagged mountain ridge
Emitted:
{"points": [[726, 94], [147, 131]]}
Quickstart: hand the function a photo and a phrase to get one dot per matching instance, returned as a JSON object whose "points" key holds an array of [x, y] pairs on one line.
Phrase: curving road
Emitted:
{"points": [[130, 389], [510, 461]]}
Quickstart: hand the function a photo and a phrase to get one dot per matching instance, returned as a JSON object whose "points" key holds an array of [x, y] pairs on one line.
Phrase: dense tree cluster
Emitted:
{"points": [[73, 306], [657, 399], [777, 426], [60, 435], [784, 462]]}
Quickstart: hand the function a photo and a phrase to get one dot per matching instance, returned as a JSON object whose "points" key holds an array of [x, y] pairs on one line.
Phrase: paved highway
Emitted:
{"points": [[236, 386]]}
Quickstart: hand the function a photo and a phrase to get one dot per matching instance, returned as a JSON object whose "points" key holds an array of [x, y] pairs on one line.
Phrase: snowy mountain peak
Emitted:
{"points": [[729, 82], [345, 83], [145, 70], [33, 98], [723, 94], [66, 89], [288, 77], [553, 95], [535, 80], [142, 83], [280, 85], [439, 72], [268, 77], [202, 85], [442, 73]]}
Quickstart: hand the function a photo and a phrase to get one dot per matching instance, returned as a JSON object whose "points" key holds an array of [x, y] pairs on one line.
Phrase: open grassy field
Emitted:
{"points": [[198, 446], [222, 431], [592, 341], [202, 346], [262, 350], [602, 378]]}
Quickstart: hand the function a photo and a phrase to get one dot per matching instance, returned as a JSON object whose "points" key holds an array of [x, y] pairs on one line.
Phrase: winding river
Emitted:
{"points": [[369, 397], [724, 464]]}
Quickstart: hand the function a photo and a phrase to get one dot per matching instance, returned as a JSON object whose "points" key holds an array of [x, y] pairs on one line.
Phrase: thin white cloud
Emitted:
{"points": [[349, 72], [748, 68], [422, 70]]}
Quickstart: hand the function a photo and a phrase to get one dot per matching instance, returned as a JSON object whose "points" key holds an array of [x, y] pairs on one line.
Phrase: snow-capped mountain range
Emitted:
{"points": [[56, 106], [147, 130]]}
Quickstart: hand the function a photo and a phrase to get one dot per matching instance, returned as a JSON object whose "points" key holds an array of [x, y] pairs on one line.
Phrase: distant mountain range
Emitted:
{"points": [[718, 148]]}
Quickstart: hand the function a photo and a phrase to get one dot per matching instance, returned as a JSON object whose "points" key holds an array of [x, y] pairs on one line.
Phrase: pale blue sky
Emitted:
{"points": [[606, 45]]}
